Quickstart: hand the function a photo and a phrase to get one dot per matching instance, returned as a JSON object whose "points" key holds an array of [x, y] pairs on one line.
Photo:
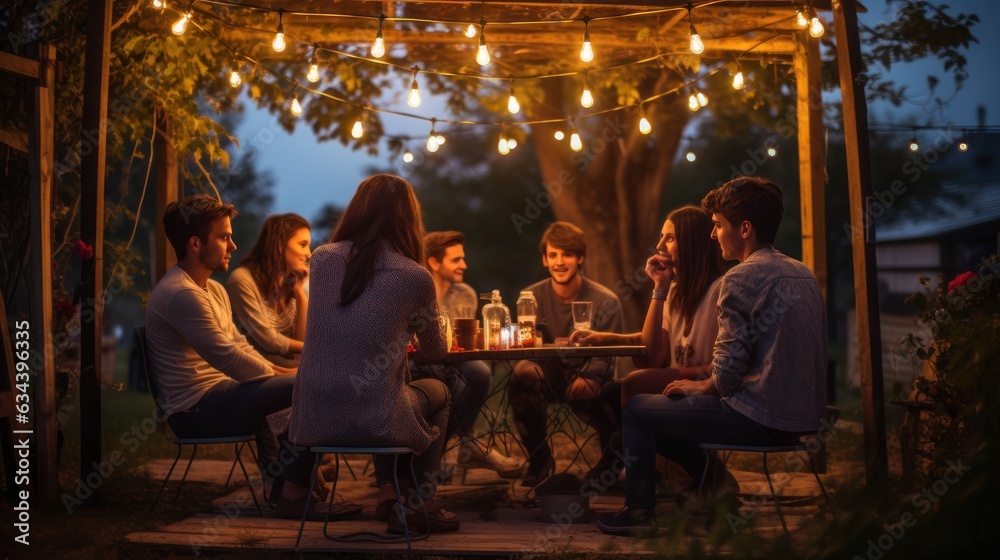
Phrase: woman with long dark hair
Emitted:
{"points": [[370, 295], [268, 293]]}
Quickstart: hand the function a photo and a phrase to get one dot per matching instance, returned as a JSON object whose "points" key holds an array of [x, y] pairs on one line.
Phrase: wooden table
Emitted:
{"points": [[547, 351]]}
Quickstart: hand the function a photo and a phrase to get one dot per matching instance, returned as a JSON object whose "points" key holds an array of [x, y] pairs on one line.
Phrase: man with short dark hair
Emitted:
{"points": [[535, 383], [470, 381], [768, 379], [211, 381]]}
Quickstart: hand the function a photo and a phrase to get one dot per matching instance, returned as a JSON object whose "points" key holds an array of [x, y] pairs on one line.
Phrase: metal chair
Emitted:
{"points": [[396, 452], [238, 441], [831, 416]]}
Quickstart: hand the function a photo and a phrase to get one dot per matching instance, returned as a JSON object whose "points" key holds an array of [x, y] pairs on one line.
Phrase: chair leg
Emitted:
{"points": [[232, 468], [333, 490], [349, 469], [704, 473], [263, 479], [246, 476], [774, 496], [399, 499], [305, 512], [166, 479], [829, 504], [187, 469]]}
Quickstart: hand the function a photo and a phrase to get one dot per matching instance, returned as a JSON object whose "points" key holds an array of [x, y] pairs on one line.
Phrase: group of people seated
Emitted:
{"points": [[310, 348]]}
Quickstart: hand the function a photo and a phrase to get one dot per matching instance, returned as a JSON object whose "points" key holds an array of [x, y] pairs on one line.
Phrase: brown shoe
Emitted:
{"points": [[435, 520]]}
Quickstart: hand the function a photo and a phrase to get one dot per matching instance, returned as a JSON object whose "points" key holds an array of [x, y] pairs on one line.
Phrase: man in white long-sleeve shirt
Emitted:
{"points": [[211, 381]]}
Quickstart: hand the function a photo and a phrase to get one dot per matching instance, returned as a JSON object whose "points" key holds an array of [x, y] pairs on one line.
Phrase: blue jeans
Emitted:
{"points": [[674, 428], [469, 383]]}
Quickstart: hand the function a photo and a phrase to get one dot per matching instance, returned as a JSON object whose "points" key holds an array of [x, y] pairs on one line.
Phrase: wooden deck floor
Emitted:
{"points": [[493, 512]]}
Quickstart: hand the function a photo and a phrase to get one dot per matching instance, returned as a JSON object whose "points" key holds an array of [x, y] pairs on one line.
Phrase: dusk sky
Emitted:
{"points": [[309, 174]]}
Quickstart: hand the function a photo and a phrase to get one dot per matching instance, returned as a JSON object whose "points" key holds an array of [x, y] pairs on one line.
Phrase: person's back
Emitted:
{"points": [[772, 303]]}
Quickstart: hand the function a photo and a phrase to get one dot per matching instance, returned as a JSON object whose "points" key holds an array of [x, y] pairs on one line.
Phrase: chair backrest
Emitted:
{"points": [[147, 364]]}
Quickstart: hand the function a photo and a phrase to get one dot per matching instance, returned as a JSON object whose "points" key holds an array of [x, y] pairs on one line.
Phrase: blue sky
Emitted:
{"points": [[309, 174]]}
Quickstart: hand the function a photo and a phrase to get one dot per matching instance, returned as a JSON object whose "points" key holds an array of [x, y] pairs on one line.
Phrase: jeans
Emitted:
{"points": [[469, 384], [674, 428]]}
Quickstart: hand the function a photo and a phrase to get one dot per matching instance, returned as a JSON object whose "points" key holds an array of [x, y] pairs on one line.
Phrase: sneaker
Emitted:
{"points": [[629, 523], [472, 457]]}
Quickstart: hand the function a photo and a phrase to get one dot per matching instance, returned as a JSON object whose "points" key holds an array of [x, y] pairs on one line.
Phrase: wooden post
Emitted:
{"points": [[95, 114], [852, 88], [41, 158], [165, 160]]}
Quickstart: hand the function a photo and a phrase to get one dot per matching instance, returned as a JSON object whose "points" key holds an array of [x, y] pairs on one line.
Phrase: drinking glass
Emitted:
{"points": [[583, 314]]}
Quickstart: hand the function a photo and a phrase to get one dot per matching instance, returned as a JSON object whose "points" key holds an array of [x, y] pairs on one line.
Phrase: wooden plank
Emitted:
{"points": [[18, 65], [41, 154], [15, 139], [95, 114], [7, 411], [852, 84], [167, 189], [542, 352], [812, 159]]}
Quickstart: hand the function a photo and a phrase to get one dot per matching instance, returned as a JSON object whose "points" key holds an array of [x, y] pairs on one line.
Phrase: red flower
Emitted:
{"points": [[83, 250], [65, 307], [960, 280]]}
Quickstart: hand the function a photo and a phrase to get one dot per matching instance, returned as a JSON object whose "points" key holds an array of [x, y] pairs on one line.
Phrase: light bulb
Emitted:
{"points": [[559, 135], [502, 146], [407, 156], [296, 108], [234, 78], [693, 103], [587, 51], [470, 31], [483, 54], [587, 99], [159, 3], [816, 28], [914, 146], [702, 100], [690, 156], [279, 42], [644, 126], [963, 146], [358, 130], [511, 143], [512, 105], [697, 47], [772, 151], [432, 145], [413, 100], [378, 47], [738, 80], [181, 25], [801, 20], [575, 143], [313, 75], [439, 139]]}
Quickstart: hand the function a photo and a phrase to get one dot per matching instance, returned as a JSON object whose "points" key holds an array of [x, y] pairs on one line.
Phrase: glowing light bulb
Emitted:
{"points": [[738, 80], [702, 100], [378, 47], [800, 20], [690, 156], [559, 135], [358, 130], [470, 31], [816, 28], [963, 146], [644, 126], [234, 78], [432, 145], [439, 139], [693, 103], [296, 108], [511, 143], [914, 146], [483, 54], [575, 143], [587, 51], [313, 75], [181, 25], [407, 156], [413, 100], [503, 147], [512, 105], [587, 99], [278, 44], [159, 3], [697, 46], [772, 151]]}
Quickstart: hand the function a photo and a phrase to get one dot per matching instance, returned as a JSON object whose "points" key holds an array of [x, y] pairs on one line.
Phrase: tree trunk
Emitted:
{"points": [[613, 188]]}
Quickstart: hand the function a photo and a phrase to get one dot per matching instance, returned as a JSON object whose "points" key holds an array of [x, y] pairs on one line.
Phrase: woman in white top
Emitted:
{"points": [[681, 322], [267, 291]]}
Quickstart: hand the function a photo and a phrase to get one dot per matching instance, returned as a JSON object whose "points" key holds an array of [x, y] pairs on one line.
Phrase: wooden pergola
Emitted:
{"points": [[723, 26]]}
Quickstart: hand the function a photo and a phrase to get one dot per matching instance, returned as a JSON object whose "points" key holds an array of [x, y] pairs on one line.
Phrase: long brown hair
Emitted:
{"points": [[383, 208], [266, 259], [699, 260]]}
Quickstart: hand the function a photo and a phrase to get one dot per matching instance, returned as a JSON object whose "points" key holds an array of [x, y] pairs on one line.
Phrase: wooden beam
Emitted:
{"points": [[18, 65], [40, 169], [15, 139], [95, 116], [167, 190], [812, 156], [852, 89]]}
